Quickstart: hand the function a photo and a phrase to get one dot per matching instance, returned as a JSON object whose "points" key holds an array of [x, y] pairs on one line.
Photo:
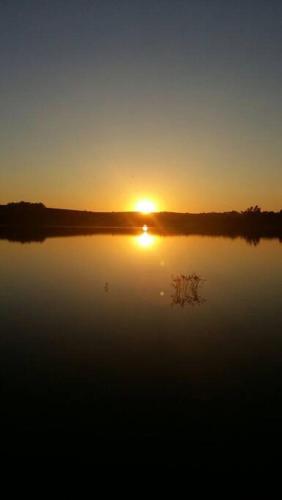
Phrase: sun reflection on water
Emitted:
{"points": [[145, 239]]}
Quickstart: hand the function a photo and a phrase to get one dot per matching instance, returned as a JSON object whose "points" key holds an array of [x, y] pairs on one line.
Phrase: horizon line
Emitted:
{"points": [[42, 205]]}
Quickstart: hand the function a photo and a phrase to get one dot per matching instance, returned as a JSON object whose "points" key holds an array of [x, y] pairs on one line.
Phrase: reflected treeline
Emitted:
{"points": [[186, 290], [40, 234], [254, 241], [30, 234]]}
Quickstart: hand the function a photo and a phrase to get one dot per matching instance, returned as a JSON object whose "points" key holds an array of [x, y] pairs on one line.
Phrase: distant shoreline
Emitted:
{"points": [[35, 221]]}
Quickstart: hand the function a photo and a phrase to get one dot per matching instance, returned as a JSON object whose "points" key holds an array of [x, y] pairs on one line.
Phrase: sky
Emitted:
{"points": [[106, 102]]}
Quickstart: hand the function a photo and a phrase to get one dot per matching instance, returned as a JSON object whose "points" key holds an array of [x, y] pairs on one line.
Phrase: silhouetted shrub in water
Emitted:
{"points": [[186, 289]]}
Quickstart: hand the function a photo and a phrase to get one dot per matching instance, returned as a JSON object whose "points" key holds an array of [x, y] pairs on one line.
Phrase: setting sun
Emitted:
{"points": [[145, 206]]}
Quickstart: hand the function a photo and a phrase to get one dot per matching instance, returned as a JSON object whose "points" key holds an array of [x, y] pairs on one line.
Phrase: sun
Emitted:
{"points": [[145, 206]]}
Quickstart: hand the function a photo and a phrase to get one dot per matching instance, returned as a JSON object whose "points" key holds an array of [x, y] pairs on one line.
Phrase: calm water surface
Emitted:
{"points": [[111, 337]]}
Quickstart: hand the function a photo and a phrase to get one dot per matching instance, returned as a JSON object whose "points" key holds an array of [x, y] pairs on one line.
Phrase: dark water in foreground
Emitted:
{"points": [[108, 343]]}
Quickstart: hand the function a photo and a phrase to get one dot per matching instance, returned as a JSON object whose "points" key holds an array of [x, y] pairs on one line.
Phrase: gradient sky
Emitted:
{"points": [[104, 102]]}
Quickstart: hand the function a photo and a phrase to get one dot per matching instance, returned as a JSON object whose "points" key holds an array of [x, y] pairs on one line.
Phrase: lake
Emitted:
{"points": [[140, 338]]}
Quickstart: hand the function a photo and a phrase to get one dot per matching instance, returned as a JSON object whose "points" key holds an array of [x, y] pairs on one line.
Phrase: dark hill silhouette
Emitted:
{"points": [[34, 222]]}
